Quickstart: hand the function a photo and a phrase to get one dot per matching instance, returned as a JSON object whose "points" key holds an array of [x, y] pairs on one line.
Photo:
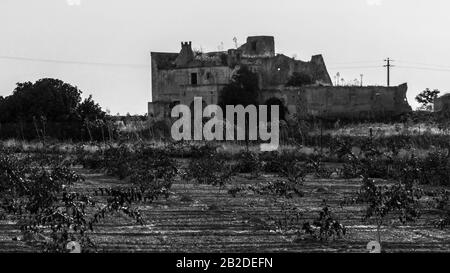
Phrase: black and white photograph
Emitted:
{"points": [[247, 128]]}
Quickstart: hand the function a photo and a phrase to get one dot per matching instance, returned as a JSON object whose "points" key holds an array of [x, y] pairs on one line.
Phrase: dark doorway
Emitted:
{"points": [[275, 101]]}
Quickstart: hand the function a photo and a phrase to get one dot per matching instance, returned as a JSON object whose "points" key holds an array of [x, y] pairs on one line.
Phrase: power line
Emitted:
{"points": [[398, 61], [425, 64], [355, 62], [397, 66], [353, 67], [73, 62], [423, 68]]}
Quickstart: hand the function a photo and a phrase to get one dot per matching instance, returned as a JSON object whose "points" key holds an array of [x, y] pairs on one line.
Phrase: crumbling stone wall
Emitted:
{"points": [[442, 103], [172, 85], [351, 102], [175, 84], [258, 47], [276, 71]]}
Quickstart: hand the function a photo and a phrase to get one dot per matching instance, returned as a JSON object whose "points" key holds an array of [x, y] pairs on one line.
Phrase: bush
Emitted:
{"points": [[325, 226], [210, 169], [248, 162], [118, 161], [435, 169], [153, 173]]}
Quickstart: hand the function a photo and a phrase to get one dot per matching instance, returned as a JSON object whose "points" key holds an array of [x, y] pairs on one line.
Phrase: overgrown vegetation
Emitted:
{"points": [[299, 79], [426, 98], [37, 185], [325, 226], [51, 108], [36, 191], [243, 89], [49, 214]]}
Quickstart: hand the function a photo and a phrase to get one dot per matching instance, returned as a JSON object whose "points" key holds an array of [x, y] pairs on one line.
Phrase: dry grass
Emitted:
{"points": [[381, 129]]}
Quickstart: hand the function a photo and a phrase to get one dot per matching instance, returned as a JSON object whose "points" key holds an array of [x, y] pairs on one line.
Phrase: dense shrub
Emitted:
{"points": [[325, 226], [316, 164], [210, 169], [248, 162], [273, 162], [153, 173], [435, 168], [118, 161]]}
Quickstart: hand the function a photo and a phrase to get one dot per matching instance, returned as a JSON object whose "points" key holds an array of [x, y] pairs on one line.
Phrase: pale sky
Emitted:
{"points": [[354, 36]]}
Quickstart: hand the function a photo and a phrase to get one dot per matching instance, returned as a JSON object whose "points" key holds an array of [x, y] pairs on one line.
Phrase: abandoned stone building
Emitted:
{"points": [[179, 77]]}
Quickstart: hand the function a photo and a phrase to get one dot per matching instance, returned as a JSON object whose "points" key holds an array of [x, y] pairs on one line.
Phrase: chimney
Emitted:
{"points": [[186, 54], [186, 45]]}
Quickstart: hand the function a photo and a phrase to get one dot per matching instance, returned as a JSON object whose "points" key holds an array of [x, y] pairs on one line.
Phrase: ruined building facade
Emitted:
{"points": [[179, 77]]}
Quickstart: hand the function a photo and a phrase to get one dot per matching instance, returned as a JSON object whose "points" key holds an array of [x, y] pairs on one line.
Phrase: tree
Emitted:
{"points": [[52, 99], [426, 98], [399, 199], [90, 110], [299, 79], [243, 89]]}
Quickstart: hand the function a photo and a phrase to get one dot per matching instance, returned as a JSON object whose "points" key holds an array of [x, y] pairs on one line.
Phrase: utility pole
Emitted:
{"points": [[361, 75], [388, 65]]}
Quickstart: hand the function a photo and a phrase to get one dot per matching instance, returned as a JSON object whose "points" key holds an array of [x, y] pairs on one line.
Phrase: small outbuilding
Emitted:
{"points": [[442, 103]]}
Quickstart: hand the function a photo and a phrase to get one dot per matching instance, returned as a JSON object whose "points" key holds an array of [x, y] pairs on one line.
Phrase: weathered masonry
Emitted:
{"points": [[179, 77], [442, 103], [351, 102]]}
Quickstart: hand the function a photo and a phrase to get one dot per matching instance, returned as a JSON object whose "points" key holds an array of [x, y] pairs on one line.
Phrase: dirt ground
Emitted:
{"points": [[201, 218]]}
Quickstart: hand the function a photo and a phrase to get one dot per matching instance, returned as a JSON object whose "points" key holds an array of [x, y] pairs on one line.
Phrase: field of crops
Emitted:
{"points": [[196, 198]]}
